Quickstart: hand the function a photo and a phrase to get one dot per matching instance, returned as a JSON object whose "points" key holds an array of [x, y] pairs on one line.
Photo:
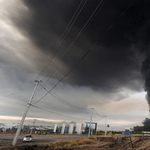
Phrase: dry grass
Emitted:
{"points": [[59, 144], [85, 141], [51, 145], [67, 145], [71, 143]]}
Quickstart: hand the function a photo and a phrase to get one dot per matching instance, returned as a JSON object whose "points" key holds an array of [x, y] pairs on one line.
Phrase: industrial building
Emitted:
{"points": [[77, 128], [93, 127]]}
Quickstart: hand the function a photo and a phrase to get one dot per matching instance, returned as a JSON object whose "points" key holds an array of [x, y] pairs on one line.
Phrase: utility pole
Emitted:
{"points": [[105, 125], [90, 122], [3, 133], [33, 125], [24, 116]]}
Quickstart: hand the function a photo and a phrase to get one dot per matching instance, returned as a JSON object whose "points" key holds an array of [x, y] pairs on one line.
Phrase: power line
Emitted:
{"points": [[59, 99], [68, 49], [60, 41], [59, 63], [54, 112], [89, 49], [99, 116], [12, 94], [97, 112], [75, 16], [69, 26], [52, 106], [62, 101], [65, 101], [98, 119], [67, 104]]}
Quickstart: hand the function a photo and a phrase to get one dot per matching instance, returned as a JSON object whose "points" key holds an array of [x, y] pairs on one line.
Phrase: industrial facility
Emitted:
{"points": [[77, 128]]}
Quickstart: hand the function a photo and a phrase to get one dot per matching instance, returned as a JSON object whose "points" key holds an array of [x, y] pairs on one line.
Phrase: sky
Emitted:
{"points": [[62, 44]]}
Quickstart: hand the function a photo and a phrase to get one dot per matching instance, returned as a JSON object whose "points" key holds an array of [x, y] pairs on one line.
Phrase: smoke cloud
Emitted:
{"points": [[114, 63], [146, 121], [146, 74], [114, 70]]}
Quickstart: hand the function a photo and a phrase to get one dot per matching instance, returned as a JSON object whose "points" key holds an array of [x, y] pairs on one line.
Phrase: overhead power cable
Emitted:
{"points": [[99, 116], [54, 94], [54, 112], [12, 94], [52, 71], [89, 49], [97, 112], [69, 48], [60, 99], [73, 19], [98, 119], [69, 26], [52, 106]]}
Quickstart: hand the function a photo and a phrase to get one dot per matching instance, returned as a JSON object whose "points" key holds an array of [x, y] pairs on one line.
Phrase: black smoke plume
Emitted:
{"points": [[146, 74], [115, 62], [146, 121]]}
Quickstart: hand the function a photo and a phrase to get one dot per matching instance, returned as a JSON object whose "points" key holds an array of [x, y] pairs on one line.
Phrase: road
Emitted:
{"points": [[7, 138]]}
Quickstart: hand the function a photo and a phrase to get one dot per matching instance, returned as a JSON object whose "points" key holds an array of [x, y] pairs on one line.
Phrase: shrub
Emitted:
{"points": [[67, 145], [73, 143], [80, 142], [87, 141], [61, 143]]}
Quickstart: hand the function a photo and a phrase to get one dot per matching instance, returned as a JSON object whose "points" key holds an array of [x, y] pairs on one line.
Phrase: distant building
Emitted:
{"points": [[55, 128], [63, 128], [73, 127], [146, 132], [93, 127], [58, 129], [79, 127], [127, 132], [66, 129]]}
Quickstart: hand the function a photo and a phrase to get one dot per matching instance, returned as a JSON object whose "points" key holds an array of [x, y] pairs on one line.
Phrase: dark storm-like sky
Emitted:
{"points": [[114, 62], [116, 66]]}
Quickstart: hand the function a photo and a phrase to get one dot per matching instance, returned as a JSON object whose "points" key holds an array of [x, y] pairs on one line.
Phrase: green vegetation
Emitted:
{"points": [[145, 127], [99, 132], [139, 129], [115, 132], [103, 132], [133, 132]]}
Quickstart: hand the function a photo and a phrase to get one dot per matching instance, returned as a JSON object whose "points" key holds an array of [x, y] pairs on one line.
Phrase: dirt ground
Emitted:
{"points": [[100, 143]]}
